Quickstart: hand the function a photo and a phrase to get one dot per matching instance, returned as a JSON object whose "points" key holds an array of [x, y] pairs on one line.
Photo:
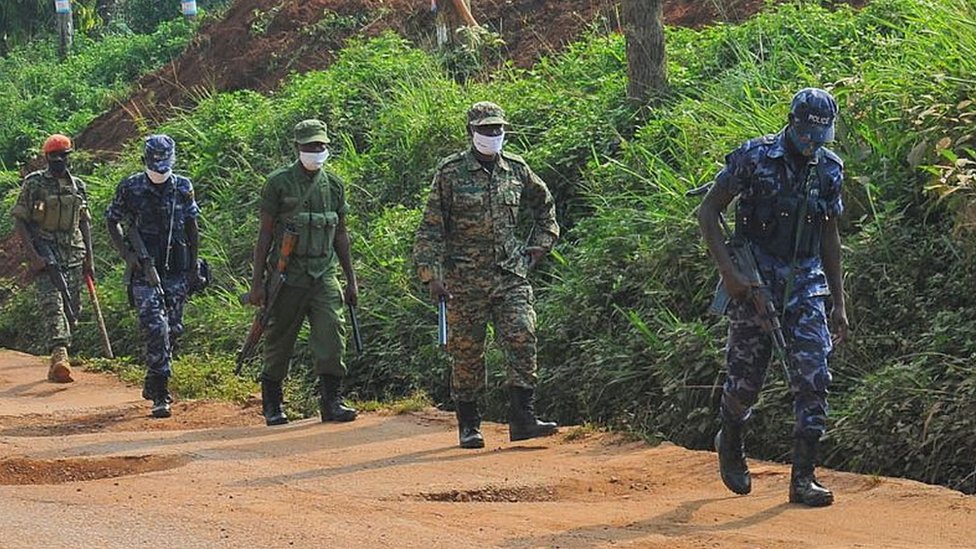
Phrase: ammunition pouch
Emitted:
{"points": [[771, 222], [316, 234], [179, 255], [57, 212]]}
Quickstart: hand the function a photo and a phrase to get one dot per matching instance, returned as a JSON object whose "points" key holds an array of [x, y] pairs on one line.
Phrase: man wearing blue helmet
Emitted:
{"points": [[789, 198], [161, 242]]}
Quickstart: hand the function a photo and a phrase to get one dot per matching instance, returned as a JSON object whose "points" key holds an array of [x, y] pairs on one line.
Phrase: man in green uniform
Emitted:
{"points": [[307, 201], [468, 252], [52, 219]]}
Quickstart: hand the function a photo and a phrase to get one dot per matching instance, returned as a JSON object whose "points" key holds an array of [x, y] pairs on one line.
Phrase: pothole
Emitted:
{"points": [[24, 471], [493, 494]]}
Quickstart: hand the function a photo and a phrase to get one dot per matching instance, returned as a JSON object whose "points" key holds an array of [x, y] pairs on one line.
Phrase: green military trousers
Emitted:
{"points": [[56, 326], [322, 305], [504, 299]]}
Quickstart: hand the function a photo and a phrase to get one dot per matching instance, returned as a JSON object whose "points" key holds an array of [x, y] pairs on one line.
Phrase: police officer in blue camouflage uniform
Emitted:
{"points": [[789, 190], [159, 206]]}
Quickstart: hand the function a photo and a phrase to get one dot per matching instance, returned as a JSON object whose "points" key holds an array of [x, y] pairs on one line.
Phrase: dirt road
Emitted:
{"points": [[83, 466]]}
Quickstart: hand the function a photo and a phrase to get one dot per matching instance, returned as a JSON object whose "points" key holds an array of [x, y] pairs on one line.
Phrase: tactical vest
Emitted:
{"points": [[157, 215], [58, 210], [773, 221]]}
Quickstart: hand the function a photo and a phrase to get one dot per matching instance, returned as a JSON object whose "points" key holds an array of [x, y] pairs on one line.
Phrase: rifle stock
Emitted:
{"points": [[261, 318]]}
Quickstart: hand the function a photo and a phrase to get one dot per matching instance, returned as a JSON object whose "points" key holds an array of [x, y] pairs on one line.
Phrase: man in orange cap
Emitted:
{"points": [[51, 216]]}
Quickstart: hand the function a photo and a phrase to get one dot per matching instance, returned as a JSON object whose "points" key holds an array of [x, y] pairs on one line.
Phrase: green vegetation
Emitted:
{"points": [[42, 95], [625, 339]]}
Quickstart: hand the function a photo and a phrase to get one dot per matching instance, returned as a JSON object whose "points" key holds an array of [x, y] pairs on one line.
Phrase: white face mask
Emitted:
{"points": [[488, 144], [159, 178], [313, 160]]}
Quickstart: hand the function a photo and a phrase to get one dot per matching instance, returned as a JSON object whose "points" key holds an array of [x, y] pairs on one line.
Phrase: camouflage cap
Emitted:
{"points": [[486, 113], [814, 111], [311, 131]]}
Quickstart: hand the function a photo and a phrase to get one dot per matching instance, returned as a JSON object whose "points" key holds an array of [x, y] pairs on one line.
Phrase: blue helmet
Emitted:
{"points": [[160, 153], [814, 111]]}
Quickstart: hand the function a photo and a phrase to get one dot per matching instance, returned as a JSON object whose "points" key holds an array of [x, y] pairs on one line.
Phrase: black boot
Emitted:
{"points": [[271, 403], [731, 447], [159, 387], [522, 423], [469, 425], [330, 402], [804, 487]]}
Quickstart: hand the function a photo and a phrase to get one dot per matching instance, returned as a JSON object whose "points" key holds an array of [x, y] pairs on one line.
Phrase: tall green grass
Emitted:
{"points": [[42, 95]]}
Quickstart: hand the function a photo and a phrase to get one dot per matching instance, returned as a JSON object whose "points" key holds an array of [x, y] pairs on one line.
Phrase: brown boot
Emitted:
{"points": [[60, 369]]}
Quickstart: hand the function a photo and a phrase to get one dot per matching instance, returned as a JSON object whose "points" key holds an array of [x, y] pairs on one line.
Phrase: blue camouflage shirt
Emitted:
{"points": [[761, 167], [153, 209]]}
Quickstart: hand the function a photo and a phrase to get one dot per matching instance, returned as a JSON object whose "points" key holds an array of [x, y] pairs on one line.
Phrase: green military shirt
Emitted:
{"points": [[310, 206], [472, 216], [53, 208]]}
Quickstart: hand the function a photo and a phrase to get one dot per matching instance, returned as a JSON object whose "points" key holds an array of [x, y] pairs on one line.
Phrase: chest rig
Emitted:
{"points": [[786, 210]]}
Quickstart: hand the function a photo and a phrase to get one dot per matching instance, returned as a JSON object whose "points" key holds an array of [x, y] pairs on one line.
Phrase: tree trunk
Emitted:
{"points": [[647, 71], [65, 26], [452, 14]]}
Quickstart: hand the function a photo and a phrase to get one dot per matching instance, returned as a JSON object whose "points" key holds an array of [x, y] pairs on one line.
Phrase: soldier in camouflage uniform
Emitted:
{"points": [[468, 252], [310, 202], [52, 219], [779, 179], [158, 208]]}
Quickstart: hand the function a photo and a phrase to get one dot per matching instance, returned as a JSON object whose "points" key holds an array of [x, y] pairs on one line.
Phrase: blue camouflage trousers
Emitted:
{"points": [[161, 320], [748, 354]]}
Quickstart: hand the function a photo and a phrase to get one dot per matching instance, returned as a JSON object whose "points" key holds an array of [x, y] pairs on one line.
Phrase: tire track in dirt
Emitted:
{"points": [[84, 467]]}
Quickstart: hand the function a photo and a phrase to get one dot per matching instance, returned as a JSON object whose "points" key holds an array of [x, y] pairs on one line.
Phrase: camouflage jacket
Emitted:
{"points": [[472, 216], [53, 208]]}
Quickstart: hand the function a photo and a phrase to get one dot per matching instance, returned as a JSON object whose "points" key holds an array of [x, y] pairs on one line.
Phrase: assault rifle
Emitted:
{"points": [[146, 262], [759, 294], [261, 318], [53, 270]]}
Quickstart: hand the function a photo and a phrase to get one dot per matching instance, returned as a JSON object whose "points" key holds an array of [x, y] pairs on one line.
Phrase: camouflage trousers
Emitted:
{"points": [[322, 305], [504, 299], [748, 354], [57, 329], [160, 319]]}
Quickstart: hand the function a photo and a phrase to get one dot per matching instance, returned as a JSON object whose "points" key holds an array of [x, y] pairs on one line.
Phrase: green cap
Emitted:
{"points": [[311, 131], [486, 113]]}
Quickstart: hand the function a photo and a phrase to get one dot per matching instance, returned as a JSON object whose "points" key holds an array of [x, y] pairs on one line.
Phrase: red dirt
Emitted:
{"points": [[399, 481], [11, 259], [253, 47]]}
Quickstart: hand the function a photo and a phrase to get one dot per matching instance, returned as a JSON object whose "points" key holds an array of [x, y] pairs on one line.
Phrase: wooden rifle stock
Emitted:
{"points": [[288, 241]]}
